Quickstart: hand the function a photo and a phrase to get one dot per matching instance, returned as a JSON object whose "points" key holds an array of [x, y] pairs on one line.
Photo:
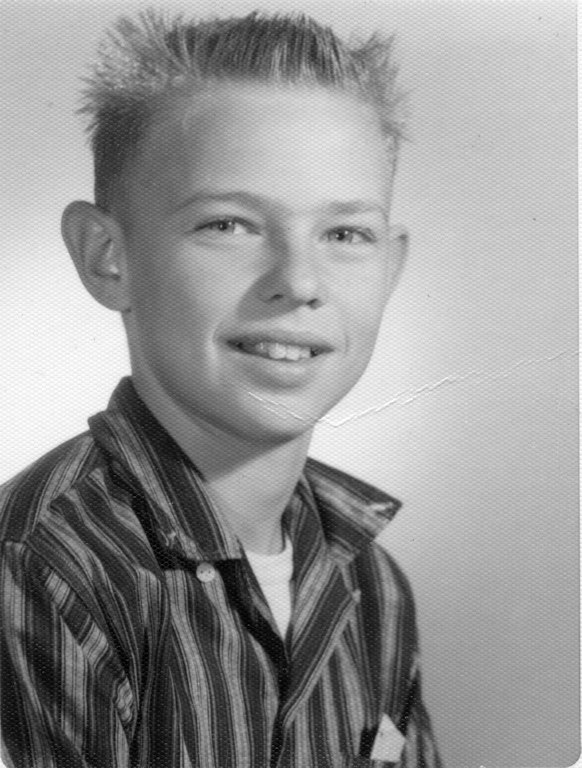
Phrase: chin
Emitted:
{"points": [[278, 431], [274, 424]]}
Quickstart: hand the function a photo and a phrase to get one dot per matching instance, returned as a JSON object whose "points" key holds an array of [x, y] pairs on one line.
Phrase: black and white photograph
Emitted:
{"points": [[289, 411]]}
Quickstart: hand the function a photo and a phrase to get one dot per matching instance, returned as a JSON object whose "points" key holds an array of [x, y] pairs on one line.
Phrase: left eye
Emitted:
{"points": [[348, 235]]}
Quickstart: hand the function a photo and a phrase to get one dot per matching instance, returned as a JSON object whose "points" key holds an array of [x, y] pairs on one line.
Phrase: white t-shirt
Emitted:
{"points": [[274, 574]]}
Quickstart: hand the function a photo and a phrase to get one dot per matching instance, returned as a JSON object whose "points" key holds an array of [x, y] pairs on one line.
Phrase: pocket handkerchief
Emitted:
{"points": [[388, 742]]}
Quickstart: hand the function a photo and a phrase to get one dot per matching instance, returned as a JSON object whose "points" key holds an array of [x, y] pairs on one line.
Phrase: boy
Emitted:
{"points": [[181, 585]]}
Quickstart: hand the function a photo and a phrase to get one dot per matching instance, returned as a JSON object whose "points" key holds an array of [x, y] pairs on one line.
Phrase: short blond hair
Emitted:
{"points": [[152, 55]]}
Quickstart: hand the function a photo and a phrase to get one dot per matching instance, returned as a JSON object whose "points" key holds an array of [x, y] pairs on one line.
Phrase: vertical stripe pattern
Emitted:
{"points": [[116, 654]]}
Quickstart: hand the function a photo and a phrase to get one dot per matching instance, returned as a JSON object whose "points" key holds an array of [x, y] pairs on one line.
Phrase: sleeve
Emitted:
{"points": [[65, 698]]}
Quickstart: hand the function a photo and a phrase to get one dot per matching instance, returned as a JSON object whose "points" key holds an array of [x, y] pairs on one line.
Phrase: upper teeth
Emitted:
{"points": [[277, 351]]}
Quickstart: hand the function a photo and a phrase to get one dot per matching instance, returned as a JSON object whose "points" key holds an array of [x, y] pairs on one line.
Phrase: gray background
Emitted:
{"points": [[469, 410]]}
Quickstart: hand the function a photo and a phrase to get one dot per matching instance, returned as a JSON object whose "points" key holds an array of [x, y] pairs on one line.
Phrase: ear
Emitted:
{"points": [[397, 253], [96, 244]]}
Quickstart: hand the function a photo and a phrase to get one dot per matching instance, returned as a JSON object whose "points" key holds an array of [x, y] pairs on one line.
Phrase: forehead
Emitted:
{"points": [[280, 140]]}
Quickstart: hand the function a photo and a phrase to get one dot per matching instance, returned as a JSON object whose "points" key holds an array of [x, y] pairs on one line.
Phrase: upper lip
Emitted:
{"points": [[294, 338]]}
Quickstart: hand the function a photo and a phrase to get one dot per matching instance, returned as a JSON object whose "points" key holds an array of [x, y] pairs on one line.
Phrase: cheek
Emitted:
{"points": [[167, 288], [366, 309]]}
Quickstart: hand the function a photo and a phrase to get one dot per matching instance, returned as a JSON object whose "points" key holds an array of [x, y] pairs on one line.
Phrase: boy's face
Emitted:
{"points": [[259, 255]]}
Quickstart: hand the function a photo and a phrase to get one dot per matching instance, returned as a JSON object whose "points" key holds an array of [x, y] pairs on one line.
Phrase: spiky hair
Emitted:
{"points": [[143, 59]]}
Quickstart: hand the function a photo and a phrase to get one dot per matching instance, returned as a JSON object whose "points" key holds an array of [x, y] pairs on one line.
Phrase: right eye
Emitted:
{"points": [[227, 226]]}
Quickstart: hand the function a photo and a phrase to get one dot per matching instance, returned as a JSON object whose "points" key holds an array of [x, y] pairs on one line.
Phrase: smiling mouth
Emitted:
{"points": [[274, 350]]}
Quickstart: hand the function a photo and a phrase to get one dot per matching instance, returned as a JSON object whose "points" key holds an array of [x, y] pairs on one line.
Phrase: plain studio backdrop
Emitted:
{"points": [[469, 410]]}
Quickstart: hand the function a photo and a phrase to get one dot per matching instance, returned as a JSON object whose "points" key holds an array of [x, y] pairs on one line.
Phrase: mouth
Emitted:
{"points": [[280, 351]]}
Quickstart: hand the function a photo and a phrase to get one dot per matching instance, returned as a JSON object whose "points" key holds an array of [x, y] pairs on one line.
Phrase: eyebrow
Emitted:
{"points": [[350, 207], [252, 200]]}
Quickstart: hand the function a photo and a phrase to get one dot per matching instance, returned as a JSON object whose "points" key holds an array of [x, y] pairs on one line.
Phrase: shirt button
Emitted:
{"points": [[205, 572]]}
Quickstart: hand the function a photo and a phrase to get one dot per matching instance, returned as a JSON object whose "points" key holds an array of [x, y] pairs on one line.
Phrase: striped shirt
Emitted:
{"points": [[134, 632]]}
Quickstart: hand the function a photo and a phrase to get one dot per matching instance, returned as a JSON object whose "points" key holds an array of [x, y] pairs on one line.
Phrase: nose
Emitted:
{"points": [[293, 275]]}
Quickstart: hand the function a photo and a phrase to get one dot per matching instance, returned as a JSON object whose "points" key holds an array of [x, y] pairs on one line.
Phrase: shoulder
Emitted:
{"points": [[68, 534], [26, 499], [70, 510]]}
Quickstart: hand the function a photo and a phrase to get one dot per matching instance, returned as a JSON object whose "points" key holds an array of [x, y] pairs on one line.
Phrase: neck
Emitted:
{"points": [[251, 482], [253, 492]]}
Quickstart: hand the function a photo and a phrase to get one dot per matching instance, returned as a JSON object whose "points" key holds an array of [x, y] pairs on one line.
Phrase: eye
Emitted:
{"points": [[350, 235], [227, 226]]}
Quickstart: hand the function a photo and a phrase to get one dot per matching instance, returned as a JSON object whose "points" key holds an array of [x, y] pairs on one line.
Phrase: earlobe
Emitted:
{"points": [[95, 242]]}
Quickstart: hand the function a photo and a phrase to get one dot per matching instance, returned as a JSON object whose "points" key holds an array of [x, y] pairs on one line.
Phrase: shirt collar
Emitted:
{"points": [[147, 461], [352, 512]]}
